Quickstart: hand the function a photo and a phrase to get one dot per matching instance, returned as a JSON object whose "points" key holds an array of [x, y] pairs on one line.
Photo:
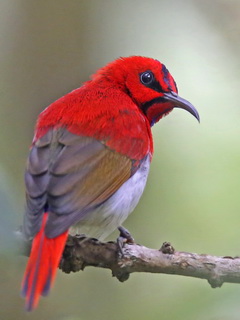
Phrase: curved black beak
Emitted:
{"points": [[179, 102]]}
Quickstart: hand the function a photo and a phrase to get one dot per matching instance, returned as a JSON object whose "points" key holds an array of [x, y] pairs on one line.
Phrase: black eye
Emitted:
{"points": [[146, 77]]}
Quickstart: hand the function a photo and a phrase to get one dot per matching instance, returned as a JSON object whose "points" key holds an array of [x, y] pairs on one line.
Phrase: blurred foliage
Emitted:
{"points": [[192, 198], [7, 216]]}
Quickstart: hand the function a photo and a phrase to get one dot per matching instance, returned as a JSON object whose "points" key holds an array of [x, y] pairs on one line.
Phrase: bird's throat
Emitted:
{"points": [[155, 109], [147, 105]]}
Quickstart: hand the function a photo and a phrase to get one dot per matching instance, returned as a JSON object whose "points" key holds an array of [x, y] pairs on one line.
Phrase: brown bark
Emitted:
{"points": [[81, 252]]}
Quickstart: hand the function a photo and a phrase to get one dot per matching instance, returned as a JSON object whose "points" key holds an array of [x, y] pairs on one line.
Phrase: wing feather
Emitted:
{"points": [[69, 175]]}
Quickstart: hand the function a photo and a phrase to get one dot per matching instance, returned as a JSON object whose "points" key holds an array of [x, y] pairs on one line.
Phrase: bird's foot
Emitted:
{"points": [[124, 237]]}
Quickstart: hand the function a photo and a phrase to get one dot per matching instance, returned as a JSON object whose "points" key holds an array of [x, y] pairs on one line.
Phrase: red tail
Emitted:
{"points": [[42, 265]]}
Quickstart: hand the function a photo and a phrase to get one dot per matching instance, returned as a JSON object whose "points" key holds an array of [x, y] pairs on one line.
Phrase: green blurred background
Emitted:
{"points": [[192, 198]]}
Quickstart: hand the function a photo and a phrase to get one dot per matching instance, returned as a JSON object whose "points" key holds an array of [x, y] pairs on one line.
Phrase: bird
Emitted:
{"points": [[89, 160]]}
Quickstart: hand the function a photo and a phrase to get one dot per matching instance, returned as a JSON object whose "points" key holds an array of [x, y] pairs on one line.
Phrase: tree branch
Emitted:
{"points": [[81, 252]]}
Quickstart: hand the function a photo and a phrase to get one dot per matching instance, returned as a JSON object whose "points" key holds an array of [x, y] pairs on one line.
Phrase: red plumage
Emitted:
{"points": [[89, 160], [42, 265], [86, 111]]}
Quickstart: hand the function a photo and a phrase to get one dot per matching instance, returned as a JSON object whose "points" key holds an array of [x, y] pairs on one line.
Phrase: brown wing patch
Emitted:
{"points": [[70, 174], [85, 175]]}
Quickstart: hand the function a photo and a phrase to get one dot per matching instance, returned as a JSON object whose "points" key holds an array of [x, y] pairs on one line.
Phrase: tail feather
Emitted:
{"points": [[42, 265]]}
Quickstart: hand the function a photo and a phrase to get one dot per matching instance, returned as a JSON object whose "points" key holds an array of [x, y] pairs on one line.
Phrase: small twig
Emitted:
{"points": [[81, 252]]}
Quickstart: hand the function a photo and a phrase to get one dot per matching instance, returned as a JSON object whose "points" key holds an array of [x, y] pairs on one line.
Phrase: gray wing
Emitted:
{"points": [[67, 175]]}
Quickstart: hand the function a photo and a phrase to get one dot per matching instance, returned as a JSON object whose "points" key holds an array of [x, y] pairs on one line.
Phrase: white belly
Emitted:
{"points": [[103, 220]]}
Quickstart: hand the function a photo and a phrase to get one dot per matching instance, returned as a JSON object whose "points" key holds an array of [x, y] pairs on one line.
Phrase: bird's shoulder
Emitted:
{"points": [[106, 114]]}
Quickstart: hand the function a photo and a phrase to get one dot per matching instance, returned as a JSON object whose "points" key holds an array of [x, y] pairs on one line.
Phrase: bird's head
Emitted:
{"points": [[150, 85]]}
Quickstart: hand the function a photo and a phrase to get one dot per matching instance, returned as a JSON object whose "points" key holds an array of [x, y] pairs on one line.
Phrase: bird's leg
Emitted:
{"points": [[124, 237]]}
